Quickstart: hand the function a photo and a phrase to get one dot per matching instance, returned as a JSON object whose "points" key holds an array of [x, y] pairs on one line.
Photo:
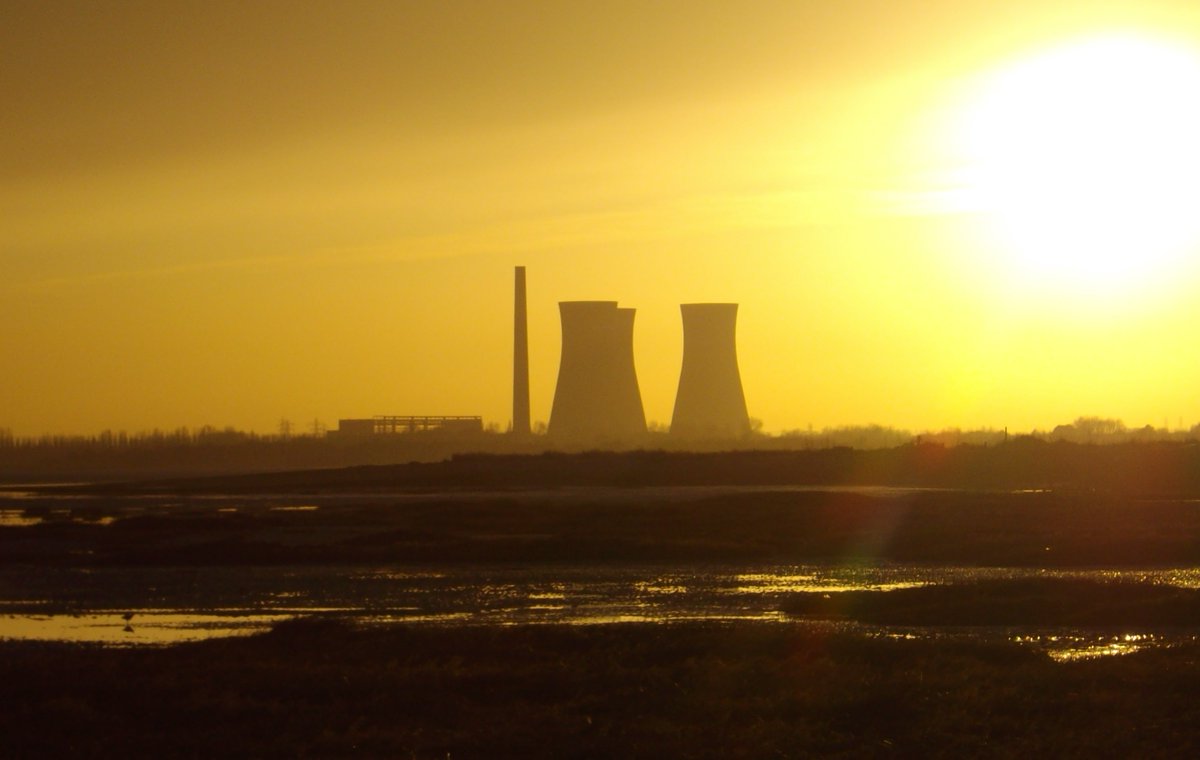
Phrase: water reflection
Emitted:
{"points": [[20, 518], [765, 583], [1091, 651], [16, 518], [185, 604], [146, 627], [1068, 646]]}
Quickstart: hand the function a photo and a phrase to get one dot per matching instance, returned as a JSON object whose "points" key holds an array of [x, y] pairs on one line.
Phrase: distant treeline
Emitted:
{"points": [[182, 452], [1098, 430], [185, 452]]}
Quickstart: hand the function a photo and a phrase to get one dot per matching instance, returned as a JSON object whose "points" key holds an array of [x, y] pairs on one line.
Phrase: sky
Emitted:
{"points": [[932, 214]]}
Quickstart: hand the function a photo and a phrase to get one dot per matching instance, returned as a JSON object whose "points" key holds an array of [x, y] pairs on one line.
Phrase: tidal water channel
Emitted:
{"points": [[159, 606], [78, 596]]}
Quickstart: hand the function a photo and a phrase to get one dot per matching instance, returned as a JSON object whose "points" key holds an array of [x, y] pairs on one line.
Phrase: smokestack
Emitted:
{"points": [[709, 402], [597, 396], [520, 412]]}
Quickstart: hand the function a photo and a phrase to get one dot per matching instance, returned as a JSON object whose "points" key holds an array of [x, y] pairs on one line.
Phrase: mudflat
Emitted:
{"points": [[334, 686], [1066, 528]]}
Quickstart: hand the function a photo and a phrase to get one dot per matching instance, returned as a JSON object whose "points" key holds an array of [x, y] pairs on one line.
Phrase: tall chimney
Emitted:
{"points": [[520, 413]]}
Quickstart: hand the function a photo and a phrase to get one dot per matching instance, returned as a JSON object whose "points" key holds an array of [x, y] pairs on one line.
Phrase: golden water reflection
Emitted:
{"points": [[1072, 647], [765, 583], [16, 518], [174, 605], [19, 518], [142, 629]]}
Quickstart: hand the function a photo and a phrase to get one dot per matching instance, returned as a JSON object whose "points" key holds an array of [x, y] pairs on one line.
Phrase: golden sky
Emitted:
{"points": [[231, 213]]}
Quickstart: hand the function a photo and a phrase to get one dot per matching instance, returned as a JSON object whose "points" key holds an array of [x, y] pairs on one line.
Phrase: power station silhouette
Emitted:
{"points": [[709, 402], [520, 423], [597, 396]]}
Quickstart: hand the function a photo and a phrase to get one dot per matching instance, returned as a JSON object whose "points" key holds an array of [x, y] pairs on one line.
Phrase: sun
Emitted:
{"points": [[1084, 162]]}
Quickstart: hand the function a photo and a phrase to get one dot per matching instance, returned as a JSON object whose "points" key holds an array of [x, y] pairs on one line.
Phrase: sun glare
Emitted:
{"points": [[1085, 162]]}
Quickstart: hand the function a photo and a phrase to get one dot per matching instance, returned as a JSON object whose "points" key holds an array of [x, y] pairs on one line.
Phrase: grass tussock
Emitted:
{"points": [[1026, 601]]}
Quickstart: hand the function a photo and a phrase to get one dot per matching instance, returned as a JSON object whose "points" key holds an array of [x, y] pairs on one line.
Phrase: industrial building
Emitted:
{"points": [[597, 398], [597, 395], [709, 402], [397, 425]]}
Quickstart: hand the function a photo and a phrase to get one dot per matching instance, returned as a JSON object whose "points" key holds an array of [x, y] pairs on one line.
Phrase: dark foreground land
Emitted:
{"points": [[1024, 503], [1132, 468], [605, 525], [325, 688], [319, 689], [1121, 606]]}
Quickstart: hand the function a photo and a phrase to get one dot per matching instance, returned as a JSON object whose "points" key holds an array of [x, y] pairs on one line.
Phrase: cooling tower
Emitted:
{"points": [[709, 402], [597, 395], [520, 412]]}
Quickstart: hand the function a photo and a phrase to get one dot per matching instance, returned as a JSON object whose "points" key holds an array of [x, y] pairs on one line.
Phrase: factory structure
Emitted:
{"points": [[597, 398], [597, 394], [710, 402], [520, 416], [386, 424]]}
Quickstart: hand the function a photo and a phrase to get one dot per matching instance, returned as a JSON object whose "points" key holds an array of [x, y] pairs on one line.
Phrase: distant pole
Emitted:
{"points": [[520, 414]]}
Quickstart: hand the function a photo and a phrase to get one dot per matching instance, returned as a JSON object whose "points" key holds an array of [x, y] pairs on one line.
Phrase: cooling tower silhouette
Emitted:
{"points": [[597, 395], [709, 402]]}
